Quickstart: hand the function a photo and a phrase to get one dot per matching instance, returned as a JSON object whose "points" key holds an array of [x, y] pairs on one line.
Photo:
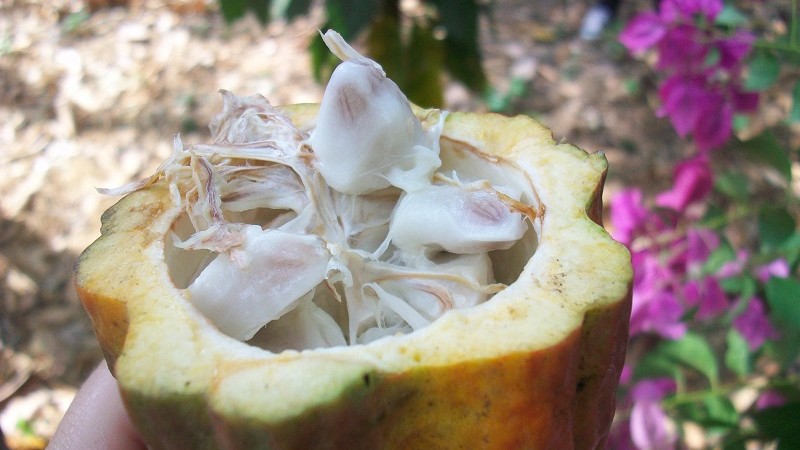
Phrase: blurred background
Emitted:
{"points": [[91, 93]]}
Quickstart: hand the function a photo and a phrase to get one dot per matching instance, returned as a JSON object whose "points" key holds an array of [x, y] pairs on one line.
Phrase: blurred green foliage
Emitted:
{"points": [[414, 51]]}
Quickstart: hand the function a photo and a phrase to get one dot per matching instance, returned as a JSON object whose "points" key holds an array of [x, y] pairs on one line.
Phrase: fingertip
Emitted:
{"points": [[96, 419]]}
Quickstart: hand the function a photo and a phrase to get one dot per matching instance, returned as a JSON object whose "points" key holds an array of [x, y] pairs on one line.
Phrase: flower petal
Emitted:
{"points": [[650, 427], [716, 123], [659, 313], [734, 267], [642, 32], [778, 268], [628, 214], [734, 49], [770, 399], [683, 48], [694, 180], [707, 296], [746, 102], [754, 325], [679, 96], [653, 389], [686, 10]]}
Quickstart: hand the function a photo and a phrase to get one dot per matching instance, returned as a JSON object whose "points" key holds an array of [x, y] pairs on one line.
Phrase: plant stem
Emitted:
{"points": [[788, 48], [725, 389], [696, 396], [793, 36]]}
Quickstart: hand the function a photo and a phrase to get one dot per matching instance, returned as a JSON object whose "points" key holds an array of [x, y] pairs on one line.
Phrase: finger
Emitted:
{"points": [[96, 419]]}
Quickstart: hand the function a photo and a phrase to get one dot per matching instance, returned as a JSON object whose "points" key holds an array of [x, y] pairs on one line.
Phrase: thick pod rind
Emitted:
{"points": [[534, 367]]}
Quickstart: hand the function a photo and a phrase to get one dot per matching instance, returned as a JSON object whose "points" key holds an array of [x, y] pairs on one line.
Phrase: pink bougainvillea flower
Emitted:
{"points": [[754, 325], [650, 275], [734, 267], [707, 296], [643, 32], [770, 399], [651, 428], [659, 313], [700, 242], [700, 95], [733, 49], [653, 389], [619, 438], [694, 180], [626, 375], [628, 215], [655, 308], [693, 106], [682, 49], [647, 29], [715, 125], [744, 102], [686, 10], [691, 252], [682, 98], [778, 268]]}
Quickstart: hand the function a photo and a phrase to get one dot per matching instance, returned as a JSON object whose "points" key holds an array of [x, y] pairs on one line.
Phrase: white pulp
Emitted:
{"points": [[345, 235]]}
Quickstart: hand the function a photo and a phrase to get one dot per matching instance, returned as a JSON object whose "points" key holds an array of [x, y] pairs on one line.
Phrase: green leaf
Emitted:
{"points": [[656, 364], [713, 412], [783, 297], [693, 351], [415, 66], [733, 185], [780, 423], [720, 412], [737, 285], [633, 86], [25, 427], [689, 411], [667, 358], [385, 46], [289, 9], [737, 354], [497, 101], [766, 149], [794, 114], [712, 58], [740, 122], [232, 9], [730, 17], [734, 442], [459, 19], [721, 255], [261, 9], [75, 20], [784, 350], [791, 249], [763, 72], [423, 84], [348, 18], [322, 61], [775, 226]]}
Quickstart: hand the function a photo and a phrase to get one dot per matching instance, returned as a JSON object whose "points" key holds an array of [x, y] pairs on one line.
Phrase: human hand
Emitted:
{"points": [[96, 419]]}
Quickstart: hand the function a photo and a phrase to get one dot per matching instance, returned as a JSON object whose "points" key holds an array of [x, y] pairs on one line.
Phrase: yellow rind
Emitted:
{"points": [[535, 367]]}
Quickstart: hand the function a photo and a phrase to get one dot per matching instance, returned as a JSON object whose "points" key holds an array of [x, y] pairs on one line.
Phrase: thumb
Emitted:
{"points": [[96, 419]]}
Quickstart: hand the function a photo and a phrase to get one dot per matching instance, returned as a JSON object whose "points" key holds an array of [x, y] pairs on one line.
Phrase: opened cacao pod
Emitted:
{"points": [[363, 274]]}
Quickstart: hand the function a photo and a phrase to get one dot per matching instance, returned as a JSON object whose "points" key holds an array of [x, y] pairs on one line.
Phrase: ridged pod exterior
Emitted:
{"points": [[536, 367]]}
